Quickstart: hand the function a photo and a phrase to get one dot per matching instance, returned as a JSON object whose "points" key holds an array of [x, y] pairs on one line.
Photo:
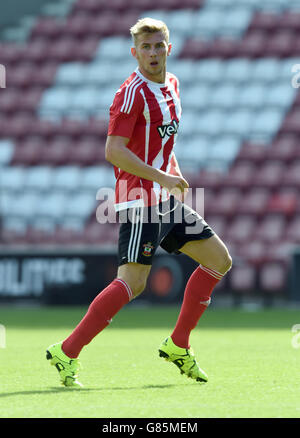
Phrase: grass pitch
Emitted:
{"points": [[252, 365]]}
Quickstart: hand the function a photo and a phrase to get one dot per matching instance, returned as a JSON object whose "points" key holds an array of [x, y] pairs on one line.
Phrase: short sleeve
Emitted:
{"points": [[124, 112]]}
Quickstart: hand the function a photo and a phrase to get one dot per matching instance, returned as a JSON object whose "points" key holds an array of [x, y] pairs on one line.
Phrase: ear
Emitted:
{"points": [[169, 49], [133, 51]]}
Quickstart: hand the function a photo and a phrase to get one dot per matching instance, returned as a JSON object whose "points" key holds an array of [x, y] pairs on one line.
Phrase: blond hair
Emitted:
{"points": [[149, 25]]}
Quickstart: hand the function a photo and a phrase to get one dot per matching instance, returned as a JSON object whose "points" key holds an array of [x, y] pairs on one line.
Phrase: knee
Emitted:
{"points": [[138, 286], [226, 264]]}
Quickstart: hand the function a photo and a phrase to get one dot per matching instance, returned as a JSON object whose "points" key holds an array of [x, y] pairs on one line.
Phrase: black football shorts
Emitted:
{"points": [[169, 225]]}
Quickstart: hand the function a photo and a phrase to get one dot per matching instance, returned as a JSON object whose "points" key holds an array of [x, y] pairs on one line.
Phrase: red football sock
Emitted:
{"points": [[100, 312], [196, 299]]}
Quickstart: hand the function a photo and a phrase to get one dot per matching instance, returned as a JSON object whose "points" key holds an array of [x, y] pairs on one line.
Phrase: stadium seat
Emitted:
{"points": [[27, 154], [291, 123], [66, 178], [254, 202], [292, 233], [283, 202], [7, 152], [253, 152], [243, 278], [252, 45], [265, 20], [13, 178], [271, 228], [217, 222], [284, 148], [56, 153], [39, 178], [253, 96], [272, 277], [253, 252], [224, 203], [280, 44], [266, 123], [291, 177], [269, 174], [241, 229], [240, 175]]}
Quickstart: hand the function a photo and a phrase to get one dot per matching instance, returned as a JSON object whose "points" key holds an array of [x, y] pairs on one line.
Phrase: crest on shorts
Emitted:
{"points": [[148, 247]]}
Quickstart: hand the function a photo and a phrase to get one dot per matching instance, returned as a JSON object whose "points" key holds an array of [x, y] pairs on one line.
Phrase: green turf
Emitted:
{"points": [[252, 367]]}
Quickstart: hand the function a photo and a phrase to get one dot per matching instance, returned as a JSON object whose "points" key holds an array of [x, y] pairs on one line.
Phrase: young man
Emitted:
{"points": [[144, 118]]}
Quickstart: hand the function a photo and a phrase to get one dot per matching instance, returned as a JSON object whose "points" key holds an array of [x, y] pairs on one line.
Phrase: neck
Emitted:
{"points": [[159, 78]]}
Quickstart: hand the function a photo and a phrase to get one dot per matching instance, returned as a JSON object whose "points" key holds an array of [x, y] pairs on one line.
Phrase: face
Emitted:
{"points": [[151, 52]]}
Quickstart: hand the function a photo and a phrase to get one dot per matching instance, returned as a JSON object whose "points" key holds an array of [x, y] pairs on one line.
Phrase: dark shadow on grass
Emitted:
{"points": [[63, 389]]}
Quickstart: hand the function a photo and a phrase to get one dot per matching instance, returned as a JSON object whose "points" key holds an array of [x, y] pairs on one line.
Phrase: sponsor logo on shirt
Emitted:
{"points": [[169, 129]]}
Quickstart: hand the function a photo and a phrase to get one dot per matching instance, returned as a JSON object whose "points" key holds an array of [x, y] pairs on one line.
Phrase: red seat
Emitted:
{"points": [[47, 27], [89, 6], [217, 222], [252, 152], [223, 47], [63, 49], [269, 174], [252, 44], [209, 179], [241, 229], [27, 154], [266, 21], [30, 99], [283, 202], [77, 26], [291, 177], [37, 50], [273, 277], [10, 99], [43, 128], [291, 123], [242, 278], [289, 20], [240, 175], [280, 44], [88, 152], [224, 203], [284, 148], [21, 75], [281, 251], [271, 228], [254, 202], [253, 251], [19, 126], [102, 24], [44, 75], [56, 153], [292, 233], [86, 48], [11, 53], [195, 49], [96, 127]]}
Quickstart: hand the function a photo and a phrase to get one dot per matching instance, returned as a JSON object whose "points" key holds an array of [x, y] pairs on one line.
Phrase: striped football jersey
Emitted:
{"points": [[148, 113]]}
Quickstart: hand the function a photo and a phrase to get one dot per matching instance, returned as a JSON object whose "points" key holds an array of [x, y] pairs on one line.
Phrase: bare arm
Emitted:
{"points": [[120, 156]]}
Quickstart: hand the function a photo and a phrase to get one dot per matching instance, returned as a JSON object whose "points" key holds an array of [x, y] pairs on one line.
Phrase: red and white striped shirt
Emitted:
{"points": [[148, 113]]}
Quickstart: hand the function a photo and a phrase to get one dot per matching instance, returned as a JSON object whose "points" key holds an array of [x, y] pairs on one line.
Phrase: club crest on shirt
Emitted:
{"points": [[148, 247], [169, 129]]}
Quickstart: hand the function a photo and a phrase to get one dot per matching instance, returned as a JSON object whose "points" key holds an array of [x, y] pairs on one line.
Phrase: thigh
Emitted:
{"points": [[138, 238], [211, 252]]}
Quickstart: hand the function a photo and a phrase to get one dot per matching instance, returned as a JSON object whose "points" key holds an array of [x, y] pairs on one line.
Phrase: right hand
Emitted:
{"points": [[173, 183]]}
